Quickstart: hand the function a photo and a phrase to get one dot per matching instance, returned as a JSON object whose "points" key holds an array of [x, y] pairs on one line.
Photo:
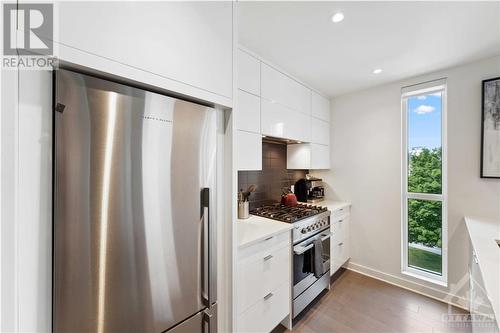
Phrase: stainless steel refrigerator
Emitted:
{"points": [[134, 228]]}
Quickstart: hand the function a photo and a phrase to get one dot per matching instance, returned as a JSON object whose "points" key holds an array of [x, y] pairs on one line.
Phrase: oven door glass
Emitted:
{"points": [[304, 271]]}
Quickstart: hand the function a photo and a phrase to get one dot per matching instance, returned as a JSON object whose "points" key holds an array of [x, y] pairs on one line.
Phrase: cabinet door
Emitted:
{"points": [[320, 156], [248, 118], [480, 304], [281, 122], [298, 156], [188, 42], [279, 88], [259, 277], [249, 151], [320, 107], [341, 227], [320, 131], [248, 73]]}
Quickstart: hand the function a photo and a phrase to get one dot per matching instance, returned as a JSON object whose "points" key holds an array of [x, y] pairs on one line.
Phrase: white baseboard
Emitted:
{"points": [[418, 288]]}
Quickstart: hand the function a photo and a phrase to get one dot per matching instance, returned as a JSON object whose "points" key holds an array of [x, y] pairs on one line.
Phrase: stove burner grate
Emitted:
{"points": [[288, 214]]}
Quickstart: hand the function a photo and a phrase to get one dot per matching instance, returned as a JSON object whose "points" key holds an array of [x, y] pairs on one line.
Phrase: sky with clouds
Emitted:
{"points": [[424, 121]]}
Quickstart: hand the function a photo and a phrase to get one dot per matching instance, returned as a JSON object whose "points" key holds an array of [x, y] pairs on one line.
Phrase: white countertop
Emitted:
{"points": [[256, 228], [333, 205], [483, 233]]}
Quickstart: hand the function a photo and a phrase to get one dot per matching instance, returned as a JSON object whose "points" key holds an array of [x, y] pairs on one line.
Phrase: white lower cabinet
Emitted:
{"points": [[480, 308], [340, 251], [263, 292], [266, 313], [249, 152]]}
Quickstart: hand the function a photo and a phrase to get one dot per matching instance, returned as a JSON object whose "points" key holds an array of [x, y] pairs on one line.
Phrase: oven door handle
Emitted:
{"points": [[298, 249]]}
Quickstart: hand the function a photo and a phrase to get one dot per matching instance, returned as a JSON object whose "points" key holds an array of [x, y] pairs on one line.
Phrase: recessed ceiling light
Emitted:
{"points": [[337, 17], [377, 71]]}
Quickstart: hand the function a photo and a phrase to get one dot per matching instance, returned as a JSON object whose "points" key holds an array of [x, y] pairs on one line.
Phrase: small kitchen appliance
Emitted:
{"points": [[309, 189]]}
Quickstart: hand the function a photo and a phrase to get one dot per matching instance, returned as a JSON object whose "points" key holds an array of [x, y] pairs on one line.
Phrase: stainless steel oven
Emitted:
{"points": [[311, 268]]}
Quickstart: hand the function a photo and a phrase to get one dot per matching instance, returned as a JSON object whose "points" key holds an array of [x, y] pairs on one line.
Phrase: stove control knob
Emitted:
{"points": [[303, 230]]}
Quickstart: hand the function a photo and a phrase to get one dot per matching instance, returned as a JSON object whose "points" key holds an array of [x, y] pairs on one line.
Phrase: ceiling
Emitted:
{"points": [[403, 38]]}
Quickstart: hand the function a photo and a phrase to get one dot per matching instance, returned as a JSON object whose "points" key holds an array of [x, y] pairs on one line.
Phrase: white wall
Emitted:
{"points": [[366, 170]]}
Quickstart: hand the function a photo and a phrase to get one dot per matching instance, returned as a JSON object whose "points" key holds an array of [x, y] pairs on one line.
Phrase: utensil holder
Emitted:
{"points": [[243, 210]]}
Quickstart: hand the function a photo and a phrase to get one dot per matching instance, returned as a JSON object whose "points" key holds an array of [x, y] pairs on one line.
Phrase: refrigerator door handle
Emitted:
{"points": [[210, 319], [210, 249]]}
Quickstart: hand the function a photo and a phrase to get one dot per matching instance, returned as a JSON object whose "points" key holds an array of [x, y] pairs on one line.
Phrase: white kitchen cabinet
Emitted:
{"points": [[280, 88], [298, 156], [480, 306], [320, 107], [248, 110], [320, 156], [261, 275], [279, 121], [320, 131], [263, 293], [340, 247], [186, 47], [309, 156], [249, 152], [248, 73]]}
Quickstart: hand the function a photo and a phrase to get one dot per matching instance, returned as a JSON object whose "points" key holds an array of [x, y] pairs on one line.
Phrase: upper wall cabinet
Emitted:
{"points": [[320, 131], [248, 73], [248, 118], [320, 107], [249, 151], [281, 122], [279, 88], [161, 39]]}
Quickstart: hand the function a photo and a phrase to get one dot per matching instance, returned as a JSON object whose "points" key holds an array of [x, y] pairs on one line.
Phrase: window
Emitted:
{"points": [[424, 252]]}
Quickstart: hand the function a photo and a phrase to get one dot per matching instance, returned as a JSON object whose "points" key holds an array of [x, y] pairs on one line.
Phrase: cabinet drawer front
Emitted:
{"points": [[320, 131], [341, 211], [248, 118], [282, 122], [257, 278], [264, 315], [341, 229], [262, 248], [340, 253]]}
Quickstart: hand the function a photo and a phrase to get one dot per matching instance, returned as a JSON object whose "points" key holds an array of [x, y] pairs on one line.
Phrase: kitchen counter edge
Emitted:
{"points": [[256, 228]]}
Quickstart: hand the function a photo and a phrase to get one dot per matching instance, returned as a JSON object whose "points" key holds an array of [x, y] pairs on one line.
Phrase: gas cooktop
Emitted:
{"points": [[288, 214]]}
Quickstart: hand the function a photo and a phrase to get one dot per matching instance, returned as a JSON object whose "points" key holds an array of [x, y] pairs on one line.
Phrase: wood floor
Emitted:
{"points": [[357, 303]]}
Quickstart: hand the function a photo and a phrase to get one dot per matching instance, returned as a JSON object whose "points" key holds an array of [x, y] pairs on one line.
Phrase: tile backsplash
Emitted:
{"points": [[273, 177]]}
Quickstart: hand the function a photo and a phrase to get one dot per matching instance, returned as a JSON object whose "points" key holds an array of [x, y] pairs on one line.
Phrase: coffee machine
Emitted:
{"points": [[309, 189]]}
